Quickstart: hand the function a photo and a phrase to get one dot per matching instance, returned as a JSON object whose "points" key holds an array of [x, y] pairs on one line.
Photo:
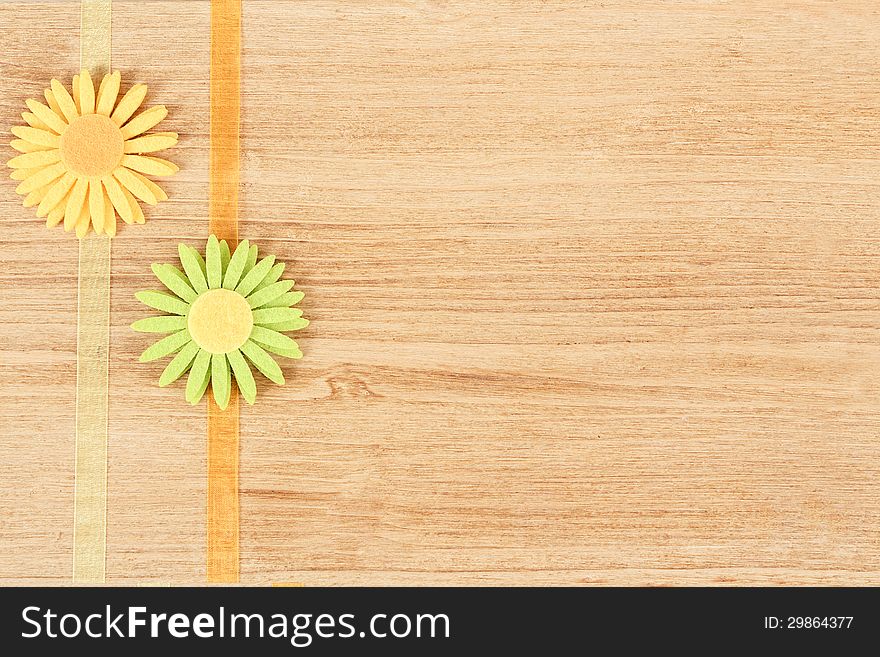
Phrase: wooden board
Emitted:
{"points": [[594, 288]]}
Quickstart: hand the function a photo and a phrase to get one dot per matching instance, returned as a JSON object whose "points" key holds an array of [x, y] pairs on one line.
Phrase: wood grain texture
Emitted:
{"points": [[594, 292]]}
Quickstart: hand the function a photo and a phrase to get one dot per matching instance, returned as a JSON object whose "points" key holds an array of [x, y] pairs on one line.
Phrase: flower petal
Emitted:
{"points": [[225, 255], [158, 192], [23, 146], [263, 362], [35, 196], [135, 185], [266, 316], [163, 301], [213, 263], [96, 205], [158, 141], [52, 120], [199, 377], [42, 178], [165, 346], [236, 265], [286, 299], [107, 93], [35, 159], [144, 121], [24, 174], [220, 380], [75, 203], [109, 217], [75, 91], [251, 259], [86, 93], [192, 265], [243, 376], [268, 294], [138, 214], [118, 199], [53, 104], [291, 325], [64, 100], [276, 342], [56, 194], [36, 136], [179, 364], [153, 166], [82, 223], [33, 121], [254, 276], [176, 281], [129, 104], [57, 214], [162, 324], [273, 275]]}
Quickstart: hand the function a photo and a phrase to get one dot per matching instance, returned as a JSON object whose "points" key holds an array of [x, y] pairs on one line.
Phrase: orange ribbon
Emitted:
{"points": [[223, 426]]}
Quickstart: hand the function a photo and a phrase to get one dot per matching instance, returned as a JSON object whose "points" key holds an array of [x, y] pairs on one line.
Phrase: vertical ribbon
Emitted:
{"points": [[92, 349], [223, 426]]}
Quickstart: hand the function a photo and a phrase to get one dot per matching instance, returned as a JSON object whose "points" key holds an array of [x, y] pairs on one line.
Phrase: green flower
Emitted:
{"points": [[226, 311]]}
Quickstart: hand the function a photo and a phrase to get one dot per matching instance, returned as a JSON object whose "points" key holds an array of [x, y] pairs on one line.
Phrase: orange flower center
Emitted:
{"points": [[92, 146]]}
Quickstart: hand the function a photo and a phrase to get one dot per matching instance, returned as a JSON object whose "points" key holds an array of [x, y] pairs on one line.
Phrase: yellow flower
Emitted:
{"points": [[82, 155]]}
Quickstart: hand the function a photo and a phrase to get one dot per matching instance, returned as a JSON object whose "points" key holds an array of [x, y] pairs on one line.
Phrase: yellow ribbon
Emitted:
{"points": [[92, 350], [222, 553]]}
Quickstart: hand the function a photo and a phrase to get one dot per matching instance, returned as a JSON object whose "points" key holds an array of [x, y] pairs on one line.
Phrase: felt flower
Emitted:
{"points": [[82, 155], [224, 312]]}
